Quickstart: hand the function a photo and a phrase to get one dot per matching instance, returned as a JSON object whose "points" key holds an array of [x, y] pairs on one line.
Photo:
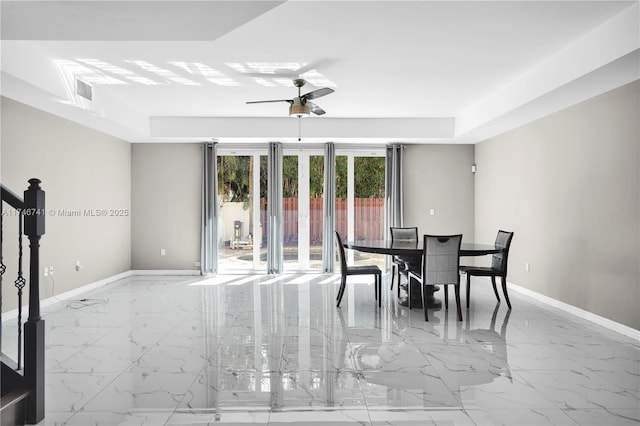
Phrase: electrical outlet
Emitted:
{"points": [[197, 264], [45, 271], [432, 212], [50, 270], [527, 268], [78, 265], [163, 252]]}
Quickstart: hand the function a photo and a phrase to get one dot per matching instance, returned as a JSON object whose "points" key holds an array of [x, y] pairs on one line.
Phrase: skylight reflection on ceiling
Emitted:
{"points": [[282, 73], [317, 79], [169, 75], [283, 81], [273, 67], [211, 74], [114, 69], [105, 66], [69, 70], [264, 82], [236, 66], [268, 74]]}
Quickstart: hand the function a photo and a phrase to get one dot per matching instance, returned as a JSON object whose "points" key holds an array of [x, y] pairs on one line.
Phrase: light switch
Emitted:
{"points": [[432, 212]]}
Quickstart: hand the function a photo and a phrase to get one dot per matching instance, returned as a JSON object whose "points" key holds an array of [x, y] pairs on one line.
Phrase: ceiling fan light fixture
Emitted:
{"points": [[301, 105], [297, 110]]}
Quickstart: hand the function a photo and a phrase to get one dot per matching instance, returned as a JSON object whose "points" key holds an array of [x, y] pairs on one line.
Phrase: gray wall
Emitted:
{"points": [[80, 169], [569, 186], [165, 191], [439, 177]]}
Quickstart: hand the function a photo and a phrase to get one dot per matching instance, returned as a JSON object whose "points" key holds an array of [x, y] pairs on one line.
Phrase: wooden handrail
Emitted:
{"points": [[11, 198]]}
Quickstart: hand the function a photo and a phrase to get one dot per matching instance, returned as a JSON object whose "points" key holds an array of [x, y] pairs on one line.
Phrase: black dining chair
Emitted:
{"points": [[498, 267], [346, 270], [440, 266], [399, 265]]}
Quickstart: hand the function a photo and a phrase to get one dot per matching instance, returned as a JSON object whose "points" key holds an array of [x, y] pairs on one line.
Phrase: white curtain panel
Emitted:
{"points": [[329, 209], [210, 212], [394, 186], [275, 233]]}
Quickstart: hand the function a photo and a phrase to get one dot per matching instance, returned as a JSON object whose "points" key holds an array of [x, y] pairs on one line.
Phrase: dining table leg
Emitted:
{"points": [[416, 297]]}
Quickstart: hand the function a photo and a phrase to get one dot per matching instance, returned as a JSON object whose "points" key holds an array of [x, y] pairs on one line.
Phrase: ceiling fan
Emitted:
{"points": [[300, 106]]}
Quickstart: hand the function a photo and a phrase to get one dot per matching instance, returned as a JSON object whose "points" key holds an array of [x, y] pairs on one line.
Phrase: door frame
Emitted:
{"points": [[304, 244], [256, 230], [351, 153]]}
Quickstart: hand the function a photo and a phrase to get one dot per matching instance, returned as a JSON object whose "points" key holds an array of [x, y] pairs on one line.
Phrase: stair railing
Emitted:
{"points": [[31, 222]]}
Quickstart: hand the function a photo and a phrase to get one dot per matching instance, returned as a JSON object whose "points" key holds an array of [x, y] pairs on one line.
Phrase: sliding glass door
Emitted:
{"points": [[360, 184], [243, 196], [303, 174]]}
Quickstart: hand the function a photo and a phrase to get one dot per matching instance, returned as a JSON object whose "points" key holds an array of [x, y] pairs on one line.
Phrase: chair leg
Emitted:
{"points": [[468, 289], [424, 302], [446, 297], [495, 289], [457, 291], [399, 285], [393, 274], [343, 284], [504, 290], [375, 285], [409, 292], [379, 284]]}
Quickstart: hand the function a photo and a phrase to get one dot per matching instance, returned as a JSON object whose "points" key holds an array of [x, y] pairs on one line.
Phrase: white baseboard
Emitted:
{"points": [[67, 295], [76, 292], [187, 272], [597, 319]]}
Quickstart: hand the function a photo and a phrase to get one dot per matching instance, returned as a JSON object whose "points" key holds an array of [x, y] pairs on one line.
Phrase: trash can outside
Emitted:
{"points": [[237, 233]]}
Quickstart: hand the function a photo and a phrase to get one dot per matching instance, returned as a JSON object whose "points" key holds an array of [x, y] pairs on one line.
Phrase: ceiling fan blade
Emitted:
{"points": [[274, 100], [318, 93], [315, 108]]}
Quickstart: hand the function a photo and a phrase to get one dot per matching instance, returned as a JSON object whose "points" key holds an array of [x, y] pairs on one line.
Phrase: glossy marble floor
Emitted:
{"points": [[238, 349]]}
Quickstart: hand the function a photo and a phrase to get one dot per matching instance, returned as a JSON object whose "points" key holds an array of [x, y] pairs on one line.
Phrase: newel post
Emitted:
{"points": [[34, 215]]}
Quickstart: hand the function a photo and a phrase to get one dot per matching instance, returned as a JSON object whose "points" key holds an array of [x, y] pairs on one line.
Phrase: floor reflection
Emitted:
{"points": [[274, 349]]}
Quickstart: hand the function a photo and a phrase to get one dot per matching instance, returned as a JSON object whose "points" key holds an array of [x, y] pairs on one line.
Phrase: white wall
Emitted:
{"points": [[568, 185], [231, 212], [81, 169], [166, 188], [439, 177]]}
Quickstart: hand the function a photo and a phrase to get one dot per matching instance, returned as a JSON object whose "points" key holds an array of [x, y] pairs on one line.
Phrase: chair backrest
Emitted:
{"points": [[404, 234], [499, 260], [441, 259], [343, 259]]}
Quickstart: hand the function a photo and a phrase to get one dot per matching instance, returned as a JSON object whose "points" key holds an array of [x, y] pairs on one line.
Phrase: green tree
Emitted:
{"points": [[290, 176], [316, 176], [235, 177], [368, 176]]}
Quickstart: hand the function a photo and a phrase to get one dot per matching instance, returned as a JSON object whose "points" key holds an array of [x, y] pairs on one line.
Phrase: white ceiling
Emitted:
{"points": [[414, 71]]}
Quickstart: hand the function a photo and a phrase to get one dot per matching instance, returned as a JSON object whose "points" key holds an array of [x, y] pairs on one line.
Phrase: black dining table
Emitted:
{"points": [[409, 249]]}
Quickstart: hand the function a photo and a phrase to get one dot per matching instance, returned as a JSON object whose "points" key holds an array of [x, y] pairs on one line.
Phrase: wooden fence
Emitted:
{"points": [[369, 219]]}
